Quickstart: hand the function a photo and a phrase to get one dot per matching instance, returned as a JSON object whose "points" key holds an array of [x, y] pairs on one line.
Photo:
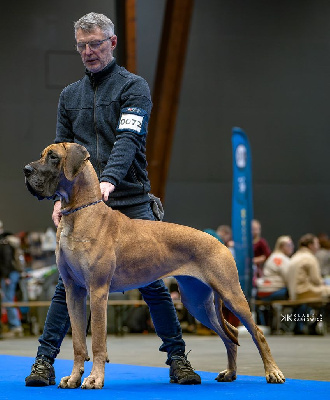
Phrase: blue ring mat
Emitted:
{"points": [[130, 382]]}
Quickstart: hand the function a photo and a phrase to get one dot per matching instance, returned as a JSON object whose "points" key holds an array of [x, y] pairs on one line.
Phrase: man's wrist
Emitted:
{"points": [[109, 180]]}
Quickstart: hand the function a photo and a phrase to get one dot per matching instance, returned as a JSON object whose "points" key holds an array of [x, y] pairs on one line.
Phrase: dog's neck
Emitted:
{"points": [[82, 191]]}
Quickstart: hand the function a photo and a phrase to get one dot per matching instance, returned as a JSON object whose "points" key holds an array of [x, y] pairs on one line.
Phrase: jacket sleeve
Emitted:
{"points": [[131, 130], [63, 125], [315, 272]]}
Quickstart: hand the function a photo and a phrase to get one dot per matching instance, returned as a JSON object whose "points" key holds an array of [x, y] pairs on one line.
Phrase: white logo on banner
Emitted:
{"points": [[241, 156], [242, 184]]}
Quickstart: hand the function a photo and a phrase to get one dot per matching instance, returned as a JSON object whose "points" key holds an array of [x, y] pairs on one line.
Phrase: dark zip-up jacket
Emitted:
{"points": [[108, 113], [6, 256]]}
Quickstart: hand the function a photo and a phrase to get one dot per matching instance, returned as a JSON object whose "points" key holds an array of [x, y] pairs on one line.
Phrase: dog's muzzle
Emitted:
{"points": [[28, 170]]}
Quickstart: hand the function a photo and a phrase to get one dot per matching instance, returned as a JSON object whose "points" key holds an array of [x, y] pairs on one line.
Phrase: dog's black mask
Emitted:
{"points": [[42, 176], [30, 189]]}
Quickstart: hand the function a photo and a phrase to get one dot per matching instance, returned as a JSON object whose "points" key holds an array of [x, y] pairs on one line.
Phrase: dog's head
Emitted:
{"points": [[57, 161]]}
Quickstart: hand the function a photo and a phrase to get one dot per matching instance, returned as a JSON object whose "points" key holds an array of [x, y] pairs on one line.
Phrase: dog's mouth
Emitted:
{"points": [[35, 193]]}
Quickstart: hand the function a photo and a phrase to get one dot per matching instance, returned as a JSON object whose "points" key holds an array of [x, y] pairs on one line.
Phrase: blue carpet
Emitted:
{"points": [[123, 382]]}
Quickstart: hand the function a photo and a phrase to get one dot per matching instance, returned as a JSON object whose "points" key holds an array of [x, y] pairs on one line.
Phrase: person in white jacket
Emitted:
{"points": [[273, 284]]}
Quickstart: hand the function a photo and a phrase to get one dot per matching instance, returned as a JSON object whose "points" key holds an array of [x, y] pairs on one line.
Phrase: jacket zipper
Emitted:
{"points": [[97, 135]]}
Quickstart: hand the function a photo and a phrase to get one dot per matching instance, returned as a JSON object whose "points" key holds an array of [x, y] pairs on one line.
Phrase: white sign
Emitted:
{"points": [[130, 122]]}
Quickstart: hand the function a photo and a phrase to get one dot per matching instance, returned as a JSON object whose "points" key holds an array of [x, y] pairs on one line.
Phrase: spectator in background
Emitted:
{"points": [[323, 255], [261, 250], [9, 279], [225, 234], [213, 233], [272, 286], [226, 237], [304, 277], [304, 273]]}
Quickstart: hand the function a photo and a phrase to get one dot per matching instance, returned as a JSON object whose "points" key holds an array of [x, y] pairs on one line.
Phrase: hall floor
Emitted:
{"points": [[299, 357]]}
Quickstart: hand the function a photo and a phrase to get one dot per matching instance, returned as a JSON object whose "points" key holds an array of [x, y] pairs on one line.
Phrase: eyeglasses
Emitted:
{"points": [[93, 45]]}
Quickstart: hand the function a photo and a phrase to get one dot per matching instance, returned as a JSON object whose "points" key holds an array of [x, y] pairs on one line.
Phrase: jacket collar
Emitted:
{"points": [[304, 250], [100, 76]]}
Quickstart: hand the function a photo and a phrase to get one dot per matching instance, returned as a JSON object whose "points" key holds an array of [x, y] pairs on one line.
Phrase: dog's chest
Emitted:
{"points": [[75, 247], [73, 257]]}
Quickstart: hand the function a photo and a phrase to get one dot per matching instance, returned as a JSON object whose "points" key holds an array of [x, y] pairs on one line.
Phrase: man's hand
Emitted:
{"points": [[56, 216], [106, 189]]}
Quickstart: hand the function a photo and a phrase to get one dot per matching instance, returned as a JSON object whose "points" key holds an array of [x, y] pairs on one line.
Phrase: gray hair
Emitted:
{"points": [[91, 21], [281, 241]]}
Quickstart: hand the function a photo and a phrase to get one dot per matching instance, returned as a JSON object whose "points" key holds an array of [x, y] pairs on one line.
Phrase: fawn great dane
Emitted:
{"points": [[101, 250]]}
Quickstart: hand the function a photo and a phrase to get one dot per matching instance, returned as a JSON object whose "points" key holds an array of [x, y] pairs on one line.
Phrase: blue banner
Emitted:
{"points": [[242, 209]]}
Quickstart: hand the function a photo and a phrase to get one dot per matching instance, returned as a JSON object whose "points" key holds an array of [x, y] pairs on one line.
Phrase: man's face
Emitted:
{"points": [[287, 248], [256, 229], [225, 236], [314, 247], [97, 59]]}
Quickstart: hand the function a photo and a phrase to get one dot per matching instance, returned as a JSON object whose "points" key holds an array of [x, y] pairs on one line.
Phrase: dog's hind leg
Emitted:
{"points": [[198, 298], [228, 374], [76, 301], [236, 302]]}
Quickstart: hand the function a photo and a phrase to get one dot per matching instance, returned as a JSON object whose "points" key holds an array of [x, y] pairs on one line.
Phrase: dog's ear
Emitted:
{"points": [[75, 160]]}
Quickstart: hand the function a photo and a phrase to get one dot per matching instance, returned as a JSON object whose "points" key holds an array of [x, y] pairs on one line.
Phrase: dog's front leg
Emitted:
{"points": [[98, 304], [76, 301]]}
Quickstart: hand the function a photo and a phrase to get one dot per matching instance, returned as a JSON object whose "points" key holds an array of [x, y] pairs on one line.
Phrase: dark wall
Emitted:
{"points": [[263, 66], [260, 65], [39, 61]]}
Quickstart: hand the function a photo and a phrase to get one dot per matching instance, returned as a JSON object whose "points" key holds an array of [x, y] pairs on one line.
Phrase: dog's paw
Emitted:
{"points": [[226, 376], [275, 376], [92, 382], [67, 382]]}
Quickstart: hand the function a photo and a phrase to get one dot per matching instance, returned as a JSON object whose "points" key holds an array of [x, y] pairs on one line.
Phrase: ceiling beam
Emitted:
{"points": [[170, 67], [126, 15]]}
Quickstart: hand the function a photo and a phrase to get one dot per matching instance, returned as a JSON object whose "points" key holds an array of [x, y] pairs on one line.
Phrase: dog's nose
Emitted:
{"points": [[28, 170]]}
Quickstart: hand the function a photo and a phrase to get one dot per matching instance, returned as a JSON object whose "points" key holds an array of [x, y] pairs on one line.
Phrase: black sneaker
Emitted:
{"points": [[42, 374], [182, 372]]}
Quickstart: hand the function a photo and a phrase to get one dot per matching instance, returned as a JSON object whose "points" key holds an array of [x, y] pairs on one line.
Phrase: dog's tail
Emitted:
{"points": [[229, 329]]}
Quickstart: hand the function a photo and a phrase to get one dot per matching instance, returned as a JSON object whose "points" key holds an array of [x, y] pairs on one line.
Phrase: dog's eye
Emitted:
{"points": [[52, 156]]}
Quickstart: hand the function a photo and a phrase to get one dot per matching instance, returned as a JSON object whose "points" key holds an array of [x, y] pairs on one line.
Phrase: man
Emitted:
{"points": [[304, 277], [304, 273], [107, 111], [225, 234], [261, 249]]}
